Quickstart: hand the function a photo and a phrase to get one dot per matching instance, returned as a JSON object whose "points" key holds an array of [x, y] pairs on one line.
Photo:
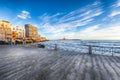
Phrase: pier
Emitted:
{"points": [[32, 63]]}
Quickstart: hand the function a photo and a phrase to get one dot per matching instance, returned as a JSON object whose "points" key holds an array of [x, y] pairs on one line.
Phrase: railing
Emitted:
{"points": [[80, 48], [67, 47], [90, 49], [32, 45], [105, 50]]}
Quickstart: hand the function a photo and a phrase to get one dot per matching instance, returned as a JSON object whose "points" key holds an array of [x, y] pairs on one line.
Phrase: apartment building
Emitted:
{"points": [[31, 32], [19, 30], [5, 31]]}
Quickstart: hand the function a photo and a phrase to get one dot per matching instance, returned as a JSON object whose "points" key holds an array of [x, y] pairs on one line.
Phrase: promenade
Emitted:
{"points": [[31, 63]]}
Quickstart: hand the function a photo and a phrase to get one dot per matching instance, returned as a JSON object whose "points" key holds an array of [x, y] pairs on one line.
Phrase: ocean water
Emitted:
{"points": [[100, 46]]}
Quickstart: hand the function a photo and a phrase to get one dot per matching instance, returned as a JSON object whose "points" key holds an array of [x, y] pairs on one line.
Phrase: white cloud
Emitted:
{"points": [[96, 3], [65, 25], [94, 32], [81, 14], [117, 4], [90, 29], [60, 28], [114, 13], [24, 15], [112, 32]]}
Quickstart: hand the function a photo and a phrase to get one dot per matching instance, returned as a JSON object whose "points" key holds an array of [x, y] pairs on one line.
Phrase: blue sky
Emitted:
{"points": [[73, 19]]}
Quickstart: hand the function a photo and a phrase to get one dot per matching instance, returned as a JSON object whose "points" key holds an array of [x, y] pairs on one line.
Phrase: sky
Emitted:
{"points": [[72, 19]]}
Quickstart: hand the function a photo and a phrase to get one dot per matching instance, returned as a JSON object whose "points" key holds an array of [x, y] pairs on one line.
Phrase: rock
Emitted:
{"points": [[41, 46]]}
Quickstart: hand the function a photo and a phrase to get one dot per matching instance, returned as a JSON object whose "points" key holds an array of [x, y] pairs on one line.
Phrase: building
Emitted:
{"points": [[10, 33], [38, 37], [19, 30], [43, 39], [31, 32], [5, 31]]}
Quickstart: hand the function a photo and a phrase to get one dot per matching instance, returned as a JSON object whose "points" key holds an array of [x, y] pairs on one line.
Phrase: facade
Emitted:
{"points": [[10, 33], [5, 31], [31, 32], [43, 39], [39, 38], [19, 30]]}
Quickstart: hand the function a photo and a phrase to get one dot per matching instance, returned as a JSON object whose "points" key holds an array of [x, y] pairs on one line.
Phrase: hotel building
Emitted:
{"points": [[19, 30], [31, 32], [5, 31]]}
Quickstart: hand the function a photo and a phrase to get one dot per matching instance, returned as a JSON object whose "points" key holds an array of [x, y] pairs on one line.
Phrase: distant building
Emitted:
{"points": [[10, 33], [39, 38], [5, 31], [19, 30], [43, 39], [64, 38], [31, 32]]}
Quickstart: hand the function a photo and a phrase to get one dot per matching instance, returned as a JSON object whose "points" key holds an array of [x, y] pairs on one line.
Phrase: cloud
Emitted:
{"points": [[96, 3], [95, 32], [60, 25], [117, 4], [63, 27], [114, 13], [114, 10], [82, 14], [24, 15], [90, 29]]}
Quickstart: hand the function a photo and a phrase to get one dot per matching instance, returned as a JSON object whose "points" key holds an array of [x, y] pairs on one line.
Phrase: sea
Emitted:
{"points": [[99, 46]]}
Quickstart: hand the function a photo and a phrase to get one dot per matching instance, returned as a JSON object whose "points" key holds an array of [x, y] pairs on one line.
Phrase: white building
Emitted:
{"points": [[19, 30]]}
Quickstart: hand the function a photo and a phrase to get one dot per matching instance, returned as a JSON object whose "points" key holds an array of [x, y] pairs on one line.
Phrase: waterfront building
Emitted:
{"points": [[5, 31], [14, 36], [31, 32], [43, 39], [39, 38], [19, 30]]}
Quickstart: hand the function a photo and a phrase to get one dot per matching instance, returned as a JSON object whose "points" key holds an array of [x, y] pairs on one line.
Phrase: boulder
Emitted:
{"points": [[41, 46]]}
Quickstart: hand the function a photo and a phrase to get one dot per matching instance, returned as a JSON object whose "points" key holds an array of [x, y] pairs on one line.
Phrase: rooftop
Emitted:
{"points": [[4, 21]]}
